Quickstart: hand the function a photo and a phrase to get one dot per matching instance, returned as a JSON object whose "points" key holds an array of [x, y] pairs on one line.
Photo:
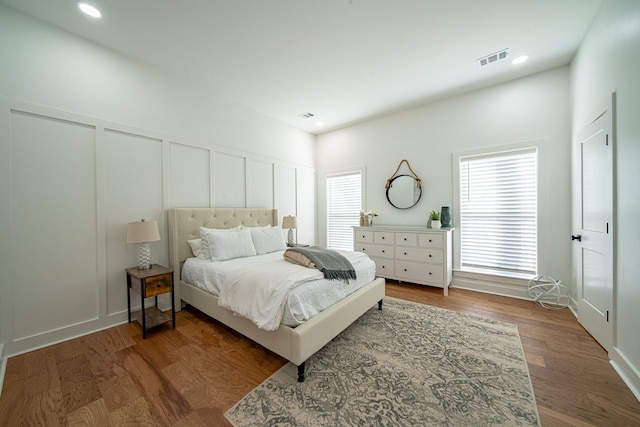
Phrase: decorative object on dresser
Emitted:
{"points": [[410, 254], [434, 218], [370, 216], [290, 222], [143, 232], [445, 217], [403, 191], [154, 281]]}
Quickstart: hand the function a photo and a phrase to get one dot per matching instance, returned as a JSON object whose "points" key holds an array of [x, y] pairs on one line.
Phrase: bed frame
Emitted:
{"points": [[294, 344]]}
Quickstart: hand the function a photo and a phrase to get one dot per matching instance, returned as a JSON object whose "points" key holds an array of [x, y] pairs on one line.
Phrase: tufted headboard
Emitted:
{"points": [[185, 223]]}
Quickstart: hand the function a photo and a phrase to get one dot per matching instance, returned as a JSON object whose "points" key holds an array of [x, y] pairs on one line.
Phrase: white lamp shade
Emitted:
{"points": [[289, 222], [143, 231]]}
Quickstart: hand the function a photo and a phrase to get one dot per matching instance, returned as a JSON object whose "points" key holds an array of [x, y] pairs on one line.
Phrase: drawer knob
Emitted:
{"points": [[382, 237], [429, 255], [383, 251], [430, 240], [405, 269], [405, 253], [405, 239], [384, 266], [429, 273]]}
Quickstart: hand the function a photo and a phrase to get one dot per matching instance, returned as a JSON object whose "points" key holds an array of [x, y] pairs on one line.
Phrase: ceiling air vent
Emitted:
{"points": [[306, 115], [494, 57]]}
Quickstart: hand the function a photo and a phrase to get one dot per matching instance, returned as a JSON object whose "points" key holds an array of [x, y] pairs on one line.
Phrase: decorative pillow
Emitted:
{"points": [[267, 239], [230, 244], [206, 250], [197, 248]]}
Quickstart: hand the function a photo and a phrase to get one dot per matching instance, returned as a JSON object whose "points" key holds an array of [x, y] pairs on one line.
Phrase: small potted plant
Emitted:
{"points": [[435, 219]]}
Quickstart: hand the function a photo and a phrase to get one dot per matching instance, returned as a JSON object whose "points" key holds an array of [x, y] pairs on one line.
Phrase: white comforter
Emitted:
{"points": [[259, 292], [262, 287]]}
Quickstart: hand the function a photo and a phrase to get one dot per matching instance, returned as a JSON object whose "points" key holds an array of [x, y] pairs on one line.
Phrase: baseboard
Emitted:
{"points": [[629, 374]]}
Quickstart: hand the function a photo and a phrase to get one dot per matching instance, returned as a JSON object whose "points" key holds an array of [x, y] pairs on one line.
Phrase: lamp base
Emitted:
{"points": [[290, 237], [144, 256]]}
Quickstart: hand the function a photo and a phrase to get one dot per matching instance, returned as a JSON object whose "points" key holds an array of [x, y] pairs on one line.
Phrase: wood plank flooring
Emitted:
{"points": [[191, 375]]}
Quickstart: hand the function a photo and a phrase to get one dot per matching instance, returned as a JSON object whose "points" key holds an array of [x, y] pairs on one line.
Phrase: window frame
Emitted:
{"points": [[542, 261]]}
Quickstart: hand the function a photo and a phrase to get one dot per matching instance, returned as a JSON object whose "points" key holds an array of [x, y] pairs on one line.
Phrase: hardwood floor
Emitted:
{"points": [[191, 375]]}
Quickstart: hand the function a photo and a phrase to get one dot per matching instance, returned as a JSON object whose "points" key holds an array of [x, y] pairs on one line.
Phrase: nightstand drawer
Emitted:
{"points": [[157, 285]]}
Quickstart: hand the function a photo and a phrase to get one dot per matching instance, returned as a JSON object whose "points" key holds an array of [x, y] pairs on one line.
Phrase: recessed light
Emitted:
{"points": [[88, 9], [520, 59]]}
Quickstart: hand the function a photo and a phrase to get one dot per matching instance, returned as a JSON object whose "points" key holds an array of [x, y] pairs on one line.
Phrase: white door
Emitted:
{"points": [[595, 260]]}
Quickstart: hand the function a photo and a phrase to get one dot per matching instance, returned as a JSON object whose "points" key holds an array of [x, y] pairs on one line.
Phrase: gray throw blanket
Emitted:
{"points": [[332, 264]]}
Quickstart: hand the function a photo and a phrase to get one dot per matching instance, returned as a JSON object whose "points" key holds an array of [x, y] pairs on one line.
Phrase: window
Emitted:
{"points": [[344, 203], [498, 211]]}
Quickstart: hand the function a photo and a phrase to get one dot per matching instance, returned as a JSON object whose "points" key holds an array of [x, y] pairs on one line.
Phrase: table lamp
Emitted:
{"points": [[143, 232], [291, 223]]}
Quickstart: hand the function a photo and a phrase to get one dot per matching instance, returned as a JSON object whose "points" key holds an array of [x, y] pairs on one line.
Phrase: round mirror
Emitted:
{"points": [[403, 193]]}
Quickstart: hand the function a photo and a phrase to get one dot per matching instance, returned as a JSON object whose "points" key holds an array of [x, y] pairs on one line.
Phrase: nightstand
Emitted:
{"points": [[155, 281]]}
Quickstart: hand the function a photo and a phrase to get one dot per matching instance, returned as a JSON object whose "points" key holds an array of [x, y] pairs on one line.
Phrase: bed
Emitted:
{"points": [[296, 344]]}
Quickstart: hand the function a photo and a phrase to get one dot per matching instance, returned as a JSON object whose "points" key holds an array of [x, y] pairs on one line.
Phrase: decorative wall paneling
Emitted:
{"points": [[73, 183]]}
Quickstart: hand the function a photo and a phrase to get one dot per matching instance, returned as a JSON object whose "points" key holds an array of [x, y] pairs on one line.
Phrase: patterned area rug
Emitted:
{"points": [[407, 365]]}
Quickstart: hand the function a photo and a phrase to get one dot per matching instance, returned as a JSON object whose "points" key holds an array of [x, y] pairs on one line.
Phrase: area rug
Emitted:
{"points": [[407, 365]]}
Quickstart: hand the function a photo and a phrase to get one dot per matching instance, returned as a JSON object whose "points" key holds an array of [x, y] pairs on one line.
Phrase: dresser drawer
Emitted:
{"points": [[384, 267], [364, 236], [430, 240], [375, 251], [434, 256], [420, 273], [406, 239], [385, 237]]}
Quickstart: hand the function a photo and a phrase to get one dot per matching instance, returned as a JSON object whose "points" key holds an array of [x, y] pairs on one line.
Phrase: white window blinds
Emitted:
{"points": [[344, 203], [498, 212]]}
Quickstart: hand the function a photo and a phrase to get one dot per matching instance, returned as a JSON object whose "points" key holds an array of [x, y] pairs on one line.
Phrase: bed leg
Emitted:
{"points": [[380, 305], [301, 372]]}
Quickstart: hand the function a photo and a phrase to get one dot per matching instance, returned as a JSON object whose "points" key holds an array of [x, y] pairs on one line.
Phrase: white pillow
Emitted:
{"points": [[197, 248], [206, 250], [267, 239], [230, 244]]}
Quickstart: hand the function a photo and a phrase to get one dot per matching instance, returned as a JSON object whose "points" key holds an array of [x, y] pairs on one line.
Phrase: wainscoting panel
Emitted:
{"points": [[306, 205], [72, 184], [284, 180], [190, 176], [133, 190], [260, 179], [53, 224], [229, 181]]}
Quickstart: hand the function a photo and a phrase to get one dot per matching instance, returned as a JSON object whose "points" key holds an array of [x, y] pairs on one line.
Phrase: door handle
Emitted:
{"points": [[576, 237]]}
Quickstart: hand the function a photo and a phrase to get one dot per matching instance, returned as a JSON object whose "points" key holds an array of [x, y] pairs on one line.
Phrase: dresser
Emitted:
{"points": [[411, 254]]}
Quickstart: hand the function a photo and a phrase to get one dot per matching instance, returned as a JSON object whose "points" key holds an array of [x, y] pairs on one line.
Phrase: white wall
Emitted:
{"points": [[609, 61], [91, 140], [528, 109]]}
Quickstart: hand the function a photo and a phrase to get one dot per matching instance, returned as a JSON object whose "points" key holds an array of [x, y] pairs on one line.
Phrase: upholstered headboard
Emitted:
{"points": [[185, 223]]}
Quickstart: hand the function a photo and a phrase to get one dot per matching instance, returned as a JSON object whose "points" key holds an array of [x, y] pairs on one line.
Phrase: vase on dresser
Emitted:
{"points": [[445, 216], [435, 223]]}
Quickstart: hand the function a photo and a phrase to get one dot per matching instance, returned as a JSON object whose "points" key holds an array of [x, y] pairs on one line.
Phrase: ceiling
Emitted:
{"points": [[345, 61]]}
